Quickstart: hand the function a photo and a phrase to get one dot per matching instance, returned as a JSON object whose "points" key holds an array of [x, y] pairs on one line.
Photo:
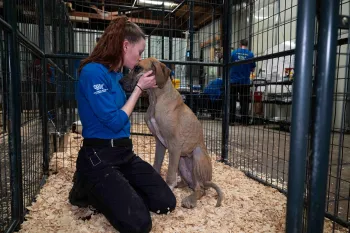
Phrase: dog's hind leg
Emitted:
{"points": [[185, 171], [202, 168], [159, 156], [201, 173]]}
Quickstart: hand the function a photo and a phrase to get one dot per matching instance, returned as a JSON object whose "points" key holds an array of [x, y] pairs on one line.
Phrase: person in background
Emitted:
{"points": [[213, 97], [240, 82], [109, 175]]}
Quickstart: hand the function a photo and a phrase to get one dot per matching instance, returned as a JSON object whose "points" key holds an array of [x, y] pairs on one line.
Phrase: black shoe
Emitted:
{"points": [[77, 195]]}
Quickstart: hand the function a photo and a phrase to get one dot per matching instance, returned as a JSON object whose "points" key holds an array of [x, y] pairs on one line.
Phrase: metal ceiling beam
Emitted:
{"points": [[97, 16]]}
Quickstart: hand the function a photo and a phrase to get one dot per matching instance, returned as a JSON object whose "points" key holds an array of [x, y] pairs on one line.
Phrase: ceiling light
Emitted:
{"points": [[158, 3], [79, 19]]}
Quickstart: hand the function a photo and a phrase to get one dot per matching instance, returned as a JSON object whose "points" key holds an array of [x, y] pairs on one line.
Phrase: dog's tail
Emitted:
{"points": [[217, 189]]}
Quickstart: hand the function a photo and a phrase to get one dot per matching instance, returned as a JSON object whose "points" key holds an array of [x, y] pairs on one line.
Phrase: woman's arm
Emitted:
{"points": [[130, 104]]}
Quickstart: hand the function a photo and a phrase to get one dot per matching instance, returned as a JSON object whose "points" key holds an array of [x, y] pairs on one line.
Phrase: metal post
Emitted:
{"points": [[277, 25], [71, 72], [4, 83], [41, 18], [213, 27], [64, 81], [300, 115], [226, 41], [60, 82], [191, 19], [171, 38], [251, 14], [213, 44], [163, 30], [324, 82], [54, 29], [15, 114], [149, 45]]}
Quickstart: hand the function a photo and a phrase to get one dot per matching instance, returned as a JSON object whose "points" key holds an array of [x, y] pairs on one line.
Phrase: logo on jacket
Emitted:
{"points": [[99, 89]]}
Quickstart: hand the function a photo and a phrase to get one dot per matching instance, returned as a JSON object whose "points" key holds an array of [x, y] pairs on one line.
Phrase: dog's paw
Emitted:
{"points": [[189, 202]]}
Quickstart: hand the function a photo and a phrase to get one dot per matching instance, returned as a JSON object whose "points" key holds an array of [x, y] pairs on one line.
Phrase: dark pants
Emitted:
{"points": [[121, 186], [244, 94]]}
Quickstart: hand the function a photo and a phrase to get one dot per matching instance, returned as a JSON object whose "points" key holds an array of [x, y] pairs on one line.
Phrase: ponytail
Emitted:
{"points": [[109, 49]]}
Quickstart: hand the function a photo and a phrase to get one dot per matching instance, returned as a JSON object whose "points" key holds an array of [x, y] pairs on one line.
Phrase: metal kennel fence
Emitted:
{"points": [[301, 52]]}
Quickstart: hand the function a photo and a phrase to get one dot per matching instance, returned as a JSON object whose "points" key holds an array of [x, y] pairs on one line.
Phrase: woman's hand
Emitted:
{"points": [[147, 80]]}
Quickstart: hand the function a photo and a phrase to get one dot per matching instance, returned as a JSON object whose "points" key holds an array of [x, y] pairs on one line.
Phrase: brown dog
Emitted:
{"points": [[176, 128]]}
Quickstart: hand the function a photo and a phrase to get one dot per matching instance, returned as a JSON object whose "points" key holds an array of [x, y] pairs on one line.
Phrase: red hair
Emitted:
{"points": [[109, 49]]}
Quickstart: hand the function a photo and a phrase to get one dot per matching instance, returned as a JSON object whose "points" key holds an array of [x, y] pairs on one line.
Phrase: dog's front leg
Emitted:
{"points": [[174, 157], [159, 156]]}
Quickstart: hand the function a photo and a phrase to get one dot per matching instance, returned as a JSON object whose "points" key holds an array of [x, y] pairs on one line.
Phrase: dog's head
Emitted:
{"points": [[159, 69]]}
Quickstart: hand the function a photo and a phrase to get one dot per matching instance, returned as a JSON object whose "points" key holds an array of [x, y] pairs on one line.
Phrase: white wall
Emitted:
{"points": [[30, 31], [85, 40], [274, 23]]}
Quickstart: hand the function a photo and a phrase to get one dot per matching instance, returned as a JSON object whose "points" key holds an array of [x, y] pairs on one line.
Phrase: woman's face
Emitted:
{"points": [[133, 52]]}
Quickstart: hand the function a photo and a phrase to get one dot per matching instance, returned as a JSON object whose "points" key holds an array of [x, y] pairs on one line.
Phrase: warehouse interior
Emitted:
{"points": [[42, 45]]}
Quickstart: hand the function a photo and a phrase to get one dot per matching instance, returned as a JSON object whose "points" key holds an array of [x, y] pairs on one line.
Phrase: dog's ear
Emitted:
{"points": [[166, 71], [161, 72], [153, 67]]}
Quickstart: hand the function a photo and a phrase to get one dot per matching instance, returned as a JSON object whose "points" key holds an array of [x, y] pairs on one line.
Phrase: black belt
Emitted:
{"points": [[97, 142]]}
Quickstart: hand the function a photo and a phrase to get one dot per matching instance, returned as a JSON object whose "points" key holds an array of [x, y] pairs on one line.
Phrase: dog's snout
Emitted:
{"points": [[137, 69], [128, 82], [125, 84]]}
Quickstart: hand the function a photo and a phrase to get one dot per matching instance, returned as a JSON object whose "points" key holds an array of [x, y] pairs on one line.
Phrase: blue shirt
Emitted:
{"points": [[240, 74], [100, 99], [214, 89]]}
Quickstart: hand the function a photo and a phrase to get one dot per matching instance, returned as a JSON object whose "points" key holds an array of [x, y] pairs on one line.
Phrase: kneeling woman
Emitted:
{"points": [[109, 176]]}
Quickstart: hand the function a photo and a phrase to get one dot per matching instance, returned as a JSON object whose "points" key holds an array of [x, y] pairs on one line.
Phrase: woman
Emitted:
{"points": [[109, 176]]}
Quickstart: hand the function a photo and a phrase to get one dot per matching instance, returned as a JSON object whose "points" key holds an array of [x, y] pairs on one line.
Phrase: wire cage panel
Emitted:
{"points": [[262, 150], [190, 38], [5, 164]]}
